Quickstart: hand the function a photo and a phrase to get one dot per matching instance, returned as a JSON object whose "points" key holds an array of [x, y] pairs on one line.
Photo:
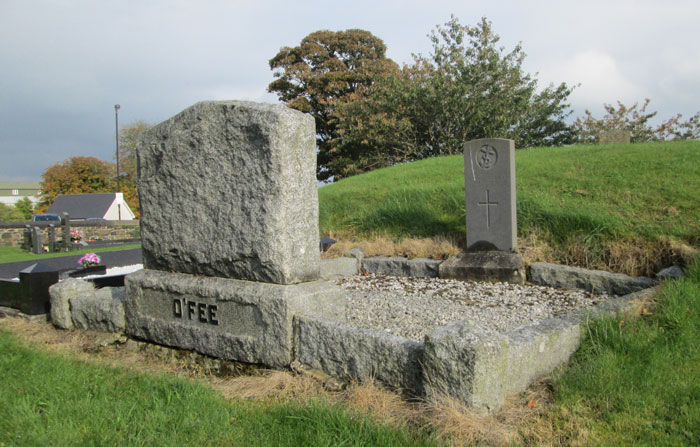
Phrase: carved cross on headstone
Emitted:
{"points": [[488, 204], [489, 169]]}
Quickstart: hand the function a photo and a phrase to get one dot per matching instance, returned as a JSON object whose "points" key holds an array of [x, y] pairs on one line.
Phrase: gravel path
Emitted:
{"points": [[412, 307]]}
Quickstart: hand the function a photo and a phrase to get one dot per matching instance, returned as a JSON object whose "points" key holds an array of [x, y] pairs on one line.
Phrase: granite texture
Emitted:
{"points": [[102, 310], [225, 318], [228, 189], [468, 363], [336, 268], [398, 266], [61, 295], [597, 281], [350, 352]]}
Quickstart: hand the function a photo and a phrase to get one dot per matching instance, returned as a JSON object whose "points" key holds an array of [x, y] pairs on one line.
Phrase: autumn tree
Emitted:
{"points": [[636, 120], [325, 67], [129, 136], [75, 176]]}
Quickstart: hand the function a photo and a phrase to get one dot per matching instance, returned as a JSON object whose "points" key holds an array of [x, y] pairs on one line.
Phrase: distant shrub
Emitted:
{"points": [[635, 120]]}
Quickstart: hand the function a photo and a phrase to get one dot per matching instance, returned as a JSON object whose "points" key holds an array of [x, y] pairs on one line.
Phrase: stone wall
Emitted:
{"points": [[12, 234]]}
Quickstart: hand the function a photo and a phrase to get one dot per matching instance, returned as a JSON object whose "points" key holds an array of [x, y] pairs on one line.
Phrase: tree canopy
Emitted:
{"points": [[370, 113], [324, 68], [75, 176]]}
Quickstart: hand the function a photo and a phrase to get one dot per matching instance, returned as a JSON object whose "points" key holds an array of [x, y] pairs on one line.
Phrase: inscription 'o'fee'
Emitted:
{"points": [[191, 310]]}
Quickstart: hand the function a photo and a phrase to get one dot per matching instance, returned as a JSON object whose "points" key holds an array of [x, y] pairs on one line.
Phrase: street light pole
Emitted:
{"points": [[116, 123], [119, 187]]}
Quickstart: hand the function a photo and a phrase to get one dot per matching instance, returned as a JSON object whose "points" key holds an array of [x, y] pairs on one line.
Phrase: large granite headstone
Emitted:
{"points": [[229, 223], [228, 189]]}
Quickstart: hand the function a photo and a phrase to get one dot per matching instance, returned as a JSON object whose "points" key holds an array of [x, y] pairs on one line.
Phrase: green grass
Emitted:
{"points": [[591, 192], [16, 254], [638, 382], [48, 399]]}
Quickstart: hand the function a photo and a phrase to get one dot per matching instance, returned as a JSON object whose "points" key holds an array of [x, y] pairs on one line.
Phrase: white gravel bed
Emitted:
{"points": [[412, 307]]}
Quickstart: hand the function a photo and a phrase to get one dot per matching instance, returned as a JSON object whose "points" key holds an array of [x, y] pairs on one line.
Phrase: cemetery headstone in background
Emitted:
{"points": [[229, 222], [614, 136], [489, 171]]}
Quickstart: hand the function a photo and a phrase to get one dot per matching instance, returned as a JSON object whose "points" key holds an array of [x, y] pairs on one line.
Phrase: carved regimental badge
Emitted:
{"points": [[487, 157]]}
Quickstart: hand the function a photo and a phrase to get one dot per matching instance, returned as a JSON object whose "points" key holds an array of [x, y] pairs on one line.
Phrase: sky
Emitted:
{"points": [[64, 64]]}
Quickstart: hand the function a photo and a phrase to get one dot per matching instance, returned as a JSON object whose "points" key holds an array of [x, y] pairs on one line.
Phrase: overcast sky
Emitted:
{"points": [[65, 64]]}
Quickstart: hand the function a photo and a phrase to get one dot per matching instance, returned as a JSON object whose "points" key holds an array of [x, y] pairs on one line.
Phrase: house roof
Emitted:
{"points": [[82, 206], [23, 188], [20, 185]]}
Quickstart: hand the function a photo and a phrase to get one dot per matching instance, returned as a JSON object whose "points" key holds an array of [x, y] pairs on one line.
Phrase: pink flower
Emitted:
{"points": [[89, 260]]}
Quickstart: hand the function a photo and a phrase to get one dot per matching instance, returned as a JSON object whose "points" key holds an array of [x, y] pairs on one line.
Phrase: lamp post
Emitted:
{"points": [[119, 188], [116, 124]]}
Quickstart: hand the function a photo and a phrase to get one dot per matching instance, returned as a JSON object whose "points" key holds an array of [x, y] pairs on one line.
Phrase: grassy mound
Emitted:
{"points": [[629, 208]]}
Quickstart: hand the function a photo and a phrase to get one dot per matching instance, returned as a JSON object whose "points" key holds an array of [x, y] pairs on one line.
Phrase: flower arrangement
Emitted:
{"points": [[76, 235], [89, 260]]}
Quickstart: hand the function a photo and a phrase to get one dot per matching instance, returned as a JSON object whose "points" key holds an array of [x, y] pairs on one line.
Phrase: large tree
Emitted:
{"points": [[74, 176], [475, 89], [325, 67], [467, 88]]}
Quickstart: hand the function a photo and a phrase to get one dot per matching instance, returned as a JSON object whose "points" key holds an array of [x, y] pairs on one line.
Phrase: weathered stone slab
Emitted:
{"points": [[228, 189], [494, 266], [468, 363], [102, 310], [225, 318], [489, 172], [338, 268], [537, 349], [350, 352], [597, 281], [673, 272], [61, 295], [398, 266]]}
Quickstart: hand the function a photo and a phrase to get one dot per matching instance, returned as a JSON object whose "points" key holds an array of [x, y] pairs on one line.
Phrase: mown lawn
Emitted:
{"points": [[592, 206], [16, 254], [633, 382], [54, 400]]}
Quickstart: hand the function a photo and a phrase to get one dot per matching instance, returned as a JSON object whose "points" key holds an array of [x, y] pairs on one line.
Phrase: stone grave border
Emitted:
{"points": [[497, 364]]}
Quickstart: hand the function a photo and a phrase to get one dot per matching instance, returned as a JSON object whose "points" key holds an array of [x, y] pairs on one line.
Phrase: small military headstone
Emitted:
{"points": [[489, 169]]}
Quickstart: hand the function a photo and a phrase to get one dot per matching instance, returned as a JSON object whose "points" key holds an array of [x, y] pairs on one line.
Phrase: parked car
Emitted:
{"points": [[46, 218]]}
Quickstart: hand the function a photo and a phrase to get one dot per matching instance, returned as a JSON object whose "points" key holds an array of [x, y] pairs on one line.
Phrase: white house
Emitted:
{"points": [[108, 206], [13, 192]]}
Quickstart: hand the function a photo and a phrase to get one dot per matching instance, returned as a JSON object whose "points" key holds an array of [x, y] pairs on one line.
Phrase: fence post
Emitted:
{"points": [[27, 242], [65, 223], [37, 247], [52, 238]]}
